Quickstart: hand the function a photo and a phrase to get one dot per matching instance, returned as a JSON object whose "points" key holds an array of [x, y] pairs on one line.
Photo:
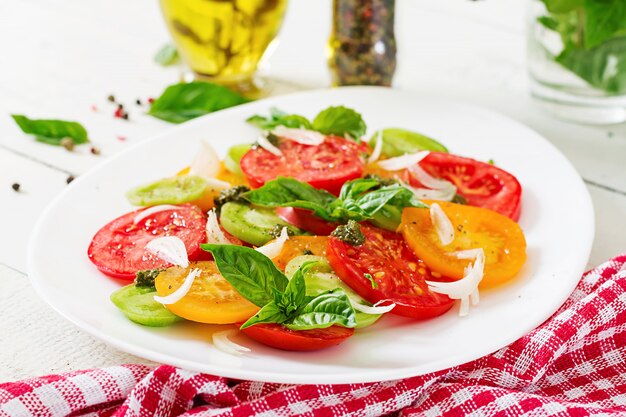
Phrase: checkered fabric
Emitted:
{"points": [[572, 365]]}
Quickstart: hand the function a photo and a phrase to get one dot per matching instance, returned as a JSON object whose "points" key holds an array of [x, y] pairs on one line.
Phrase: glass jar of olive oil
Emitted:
{"points": [[362, 45], [223, 40]]}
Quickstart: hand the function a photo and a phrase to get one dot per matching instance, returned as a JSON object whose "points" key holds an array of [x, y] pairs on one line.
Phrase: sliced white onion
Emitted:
{"points": [[428, 194], [170, 249], [466, 254], [375, 309], [214, 233], [272, 249], [216, 184], [222, 341], [303, 136], [442, 224], [206, 164], [267, 145], [377, 148], [181, 291], [428, 180], [465, 289], [152, 210], [402, 162]]}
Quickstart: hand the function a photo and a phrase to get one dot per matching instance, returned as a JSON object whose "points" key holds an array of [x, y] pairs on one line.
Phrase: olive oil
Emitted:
{"points": [[223, 40]]}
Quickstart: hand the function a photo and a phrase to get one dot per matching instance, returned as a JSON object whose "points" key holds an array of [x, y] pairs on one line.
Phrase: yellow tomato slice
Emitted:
{"points": [[225, 175], [300, 245], [211, 299], [500, 237]]}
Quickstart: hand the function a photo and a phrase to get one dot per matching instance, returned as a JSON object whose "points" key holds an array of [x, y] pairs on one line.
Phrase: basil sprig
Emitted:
{"points": [[593, 33], [359, 199], [279, 118], [282, 301], [52, 131], [186, 101], [335, 120]]}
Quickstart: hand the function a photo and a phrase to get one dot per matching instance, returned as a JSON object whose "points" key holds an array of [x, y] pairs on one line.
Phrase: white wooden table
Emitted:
{"points": [[60, 58]]}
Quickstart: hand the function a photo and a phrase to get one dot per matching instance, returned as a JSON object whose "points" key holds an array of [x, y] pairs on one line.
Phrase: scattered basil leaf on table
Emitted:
{"points": [[167, 55], [52, 131], [182, 102], [281, 300]]}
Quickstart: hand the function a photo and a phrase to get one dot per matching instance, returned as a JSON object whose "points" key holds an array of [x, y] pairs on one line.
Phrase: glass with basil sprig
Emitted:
{"points": [[577, 58]]}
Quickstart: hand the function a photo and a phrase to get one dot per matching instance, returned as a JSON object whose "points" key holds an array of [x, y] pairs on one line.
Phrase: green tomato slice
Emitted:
{"points": [[175, 190], [254, 225], [234, 155], [137, 303], [321, 278], [387, 218], [397, 142]]}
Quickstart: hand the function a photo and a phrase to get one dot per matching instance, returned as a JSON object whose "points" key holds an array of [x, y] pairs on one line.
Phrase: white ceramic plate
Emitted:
{"points": [[557, 218]]}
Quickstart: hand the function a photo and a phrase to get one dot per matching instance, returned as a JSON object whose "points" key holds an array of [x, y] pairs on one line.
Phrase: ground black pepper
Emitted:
{"points": [[362, 43]]}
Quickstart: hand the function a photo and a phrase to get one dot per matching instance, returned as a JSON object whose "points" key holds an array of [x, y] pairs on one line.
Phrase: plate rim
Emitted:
{"points": [[373, 375]]}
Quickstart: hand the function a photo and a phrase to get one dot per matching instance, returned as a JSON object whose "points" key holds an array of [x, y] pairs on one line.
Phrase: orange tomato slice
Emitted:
{"points": [[500, 237], [211, 299], [300, 245]]}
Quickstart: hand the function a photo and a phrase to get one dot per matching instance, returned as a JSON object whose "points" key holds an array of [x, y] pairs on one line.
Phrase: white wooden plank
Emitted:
{"points": [[610, 212], [35, 340], [19, 211]]}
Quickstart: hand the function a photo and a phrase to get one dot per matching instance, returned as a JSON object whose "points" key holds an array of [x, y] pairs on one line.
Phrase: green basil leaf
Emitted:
{"points": [[562, 6], [294, 297], [167, 55], [277, 118], [289, 192], [398, 142], [603, 20], [603, 67], [270, 313], [186, 101], [548, 22], [339, 121], [325, 310], [352, 189], [51, 131], [251, 273]]}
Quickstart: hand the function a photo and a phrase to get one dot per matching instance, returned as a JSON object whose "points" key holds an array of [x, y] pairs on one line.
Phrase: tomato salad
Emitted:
{"points": [[312, 232]]}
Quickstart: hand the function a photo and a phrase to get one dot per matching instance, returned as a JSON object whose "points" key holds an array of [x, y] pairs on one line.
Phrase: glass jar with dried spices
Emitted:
{"points": [[362, 46]]}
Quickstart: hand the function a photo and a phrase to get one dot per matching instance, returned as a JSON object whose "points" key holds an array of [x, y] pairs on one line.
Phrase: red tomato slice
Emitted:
{"points": [[306, 220], [400, 276], [280, 337], [118, 249], [482, 185], [327, 166]]}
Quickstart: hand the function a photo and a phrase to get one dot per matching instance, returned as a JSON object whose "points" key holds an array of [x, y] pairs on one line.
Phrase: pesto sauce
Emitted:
{"points": [[350, 233]]}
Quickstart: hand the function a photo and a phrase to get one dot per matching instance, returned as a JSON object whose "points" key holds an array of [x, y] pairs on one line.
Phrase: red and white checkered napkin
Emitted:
{"points": [[574, 364]]}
